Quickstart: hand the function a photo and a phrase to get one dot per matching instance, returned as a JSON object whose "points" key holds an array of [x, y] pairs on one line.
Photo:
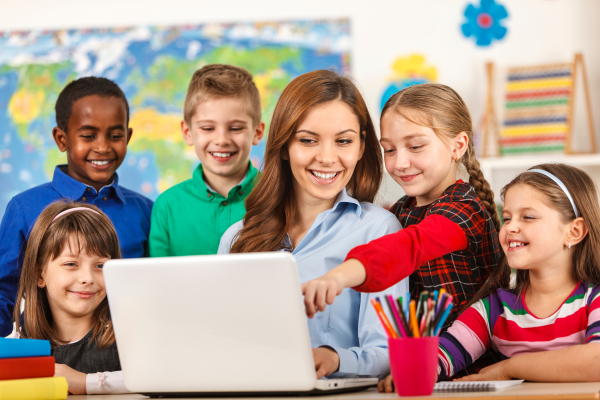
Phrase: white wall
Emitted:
{"points": [[539, 31]]}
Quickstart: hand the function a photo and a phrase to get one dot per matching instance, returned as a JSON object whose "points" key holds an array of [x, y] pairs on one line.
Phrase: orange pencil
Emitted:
{"points": [[383, 319], [413, 318]]}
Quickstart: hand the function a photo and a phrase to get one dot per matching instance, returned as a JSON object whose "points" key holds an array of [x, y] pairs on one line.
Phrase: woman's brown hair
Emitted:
{"points": [[91, 231], [586, 256], [271, 208], [440, 108]]}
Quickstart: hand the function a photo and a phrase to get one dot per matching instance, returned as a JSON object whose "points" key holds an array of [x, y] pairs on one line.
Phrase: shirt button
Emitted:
{"points": [[89, 189], [83, 199], [104, 198], [208, 194], [240, 193], [224, 203]]}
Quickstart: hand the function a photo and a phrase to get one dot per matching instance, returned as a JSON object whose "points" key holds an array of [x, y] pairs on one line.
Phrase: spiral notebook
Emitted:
{"points": [[475, 386]]}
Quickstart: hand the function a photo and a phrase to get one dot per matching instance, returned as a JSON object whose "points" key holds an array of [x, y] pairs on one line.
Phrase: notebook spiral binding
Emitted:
{"points": [[465, 387]]}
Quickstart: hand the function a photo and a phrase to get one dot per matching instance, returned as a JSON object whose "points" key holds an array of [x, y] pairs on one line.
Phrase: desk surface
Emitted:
{"points": [[525, 391]]}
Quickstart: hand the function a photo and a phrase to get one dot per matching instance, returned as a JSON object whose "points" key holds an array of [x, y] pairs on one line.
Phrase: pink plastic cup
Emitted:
{"points": [[414, 362]]}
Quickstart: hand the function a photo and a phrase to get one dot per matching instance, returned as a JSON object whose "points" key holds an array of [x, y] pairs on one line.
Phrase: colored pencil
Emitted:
{"points": [[396, 314], [444, 307], [386, 321], [403, 319], [413, 319], [394, 320], [443, 319], [380, 316]]}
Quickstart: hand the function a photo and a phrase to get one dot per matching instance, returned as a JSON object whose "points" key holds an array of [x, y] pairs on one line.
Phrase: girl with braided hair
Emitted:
{"points": [[450, 235]]}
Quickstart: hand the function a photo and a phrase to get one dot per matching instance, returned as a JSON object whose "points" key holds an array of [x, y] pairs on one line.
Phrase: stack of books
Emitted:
{"points": [[27, 371]]}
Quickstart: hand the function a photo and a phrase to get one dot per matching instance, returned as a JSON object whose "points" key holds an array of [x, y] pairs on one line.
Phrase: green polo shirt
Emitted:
{"points": [[189, 218]]}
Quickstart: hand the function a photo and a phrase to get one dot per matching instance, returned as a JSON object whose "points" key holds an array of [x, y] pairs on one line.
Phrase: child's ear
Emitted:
{"points": [[259, 132], [577, 231], [41, 283], [60, 138], [129, 133], [461, 143], [185, 132]]}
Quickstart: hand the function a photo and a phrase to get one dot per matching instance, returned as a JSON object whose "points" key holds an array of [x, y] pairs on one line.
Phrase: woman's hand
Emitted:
{"points": [[75, 379], [496, 372], [322, 291], [386, 385], [327, 361]]}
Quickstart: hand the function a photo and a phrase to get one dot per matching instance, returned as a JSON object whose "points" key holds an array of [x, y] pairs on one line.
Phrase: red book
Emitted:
{"points": [[26, 367]]}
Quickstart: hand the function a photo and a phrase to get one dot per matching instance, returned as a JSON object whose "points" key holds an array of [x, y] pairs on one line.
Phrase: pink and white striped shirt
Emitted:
{"points": [[502, 321]]}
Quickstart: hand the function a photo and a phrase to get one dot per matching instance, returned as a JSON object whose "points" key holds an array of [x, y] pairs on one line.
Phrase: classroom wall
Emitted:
{"points": [[539, 31]]}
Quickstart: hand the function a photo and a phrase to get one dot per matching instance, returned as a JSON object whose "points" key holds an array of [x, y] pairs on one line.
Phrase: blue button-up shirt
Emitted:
{"points": [[128, 211], [350, 325]]}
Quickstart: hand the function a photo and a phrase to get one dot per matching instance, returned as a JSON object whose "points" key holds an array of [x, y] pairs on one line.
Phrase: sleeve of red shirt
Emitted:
{"points": [[393, 257]]}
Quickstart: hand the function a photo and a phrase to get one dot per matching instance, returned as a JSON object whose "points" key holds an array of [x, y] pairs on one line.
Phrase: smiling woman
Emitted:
{"points": [[323, 167]]}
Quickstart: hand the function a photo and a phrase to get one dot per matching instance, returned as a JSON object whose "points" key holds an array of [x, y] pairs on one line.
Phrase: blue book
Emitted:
{"points": [[13, 348]]}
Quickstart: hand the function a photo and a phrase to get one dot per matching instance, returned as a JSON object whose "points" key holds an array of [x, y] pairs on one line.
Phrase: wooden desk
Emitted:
{"points": [[526, 391]]}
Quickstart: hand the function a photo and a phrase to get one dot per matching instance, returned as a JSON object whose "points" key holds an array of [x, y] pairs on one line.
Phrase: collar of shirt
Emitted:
{"points": [[343, 204], [242, 188], [411, 202], [73, 189]]}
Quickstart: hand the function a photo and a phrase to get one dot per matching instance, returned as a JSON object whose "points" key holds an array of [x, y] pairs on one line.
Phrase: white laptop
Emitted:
{"points": [[223, 325]]}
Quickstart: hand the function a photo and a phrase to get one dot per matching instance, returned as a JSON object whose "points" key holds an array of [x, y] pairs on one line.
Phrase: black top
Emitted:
{"points": [[85, 356]]}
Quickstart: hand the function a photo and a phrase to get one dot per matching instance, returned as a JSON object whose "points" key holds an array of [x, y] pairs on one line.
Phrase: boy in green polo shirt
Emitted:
{"points": [[222, 120]]}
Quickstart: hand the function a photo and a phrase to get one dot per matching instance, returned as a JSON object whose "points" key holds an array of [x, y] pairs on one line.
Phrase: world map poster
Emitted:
{"points": [[153, 66]]}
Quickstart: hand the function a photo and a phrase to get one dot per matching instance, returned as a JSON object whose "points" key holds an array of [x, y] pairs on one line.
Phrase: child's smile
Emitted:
{"points": [[533, 233], [417, 158], [96, 141], [74, 282], [222, 133]]}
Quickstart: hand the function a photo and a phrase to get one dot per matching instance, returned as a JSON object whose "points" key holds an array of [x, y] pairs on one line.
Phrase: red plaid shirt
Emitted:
{"points": [[451, 243]]}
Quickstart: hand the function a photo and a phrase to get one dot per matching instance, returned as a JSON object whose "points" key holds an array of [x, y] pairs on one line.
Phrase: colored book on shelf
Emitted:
{"points": [[13, 348], [55, 388], [26, 367]]}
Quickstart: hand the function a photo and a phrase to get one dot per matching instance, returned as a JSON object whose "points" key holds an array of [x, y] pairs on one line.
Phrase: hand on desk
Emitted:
{"points": [[327, 361], [75, 379], [386, 385], [495, 372]]}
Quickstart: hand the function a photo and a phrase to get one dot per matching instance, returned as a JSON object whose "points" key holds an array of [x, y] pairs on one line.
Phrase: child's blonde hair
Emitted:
{"points": [[93, 232], [440, 108], [222, 80], [586, 255]]}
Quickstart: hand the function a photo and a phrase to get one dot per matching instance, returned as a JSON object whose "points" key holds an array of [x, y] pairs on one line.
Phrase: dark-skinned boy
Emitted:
{"points": [[92, 117]]}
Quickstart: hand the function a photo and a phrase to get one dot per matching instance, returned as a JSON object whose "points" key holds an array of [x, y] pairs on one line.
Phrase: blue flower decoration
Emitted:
{"points": [[483, 22]]}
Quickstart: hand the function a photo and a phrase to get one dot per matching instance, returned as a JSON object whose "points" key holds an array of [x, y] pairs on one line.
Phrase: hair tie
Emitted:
{"points": [[70, 210], [560, 184]]}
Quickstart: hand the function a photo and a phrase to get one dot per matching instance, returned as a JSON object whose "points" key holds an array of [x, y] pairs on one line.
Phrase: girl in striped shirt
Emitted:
{"points": [[547, 326]]}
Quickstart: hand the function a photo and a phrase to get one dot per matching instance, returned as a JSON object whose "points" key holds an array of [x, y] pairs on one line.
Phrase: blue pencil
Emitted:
{"points": [[435, 296], [406, 304], [439, 305], [442, 320]]}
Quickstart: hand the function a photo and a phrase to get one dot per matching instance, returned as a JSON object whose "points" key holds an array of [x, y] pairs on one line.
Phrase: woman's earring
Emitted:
{"points": [[569, 246]]}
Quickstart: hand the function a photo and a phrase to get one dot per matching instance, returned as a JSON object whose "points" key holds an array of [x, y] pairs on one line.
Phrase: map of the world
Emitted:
{"points": [[153, 66]]}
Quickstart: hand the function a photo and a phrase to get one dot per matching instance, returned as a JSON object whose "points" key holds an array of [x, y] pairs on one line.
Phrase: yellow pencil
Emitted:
{"points": [[413, 318]]}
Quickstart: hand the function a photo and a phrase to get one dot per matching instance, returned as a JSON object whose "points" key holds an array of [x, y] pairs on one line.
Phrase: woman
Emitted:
{"points": [[322, 170]]}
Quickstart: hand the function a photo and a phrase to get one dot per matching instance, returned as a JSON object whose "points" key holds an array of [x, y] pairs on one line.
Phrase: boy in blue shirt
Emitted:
{"points": [[92, 118]]}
